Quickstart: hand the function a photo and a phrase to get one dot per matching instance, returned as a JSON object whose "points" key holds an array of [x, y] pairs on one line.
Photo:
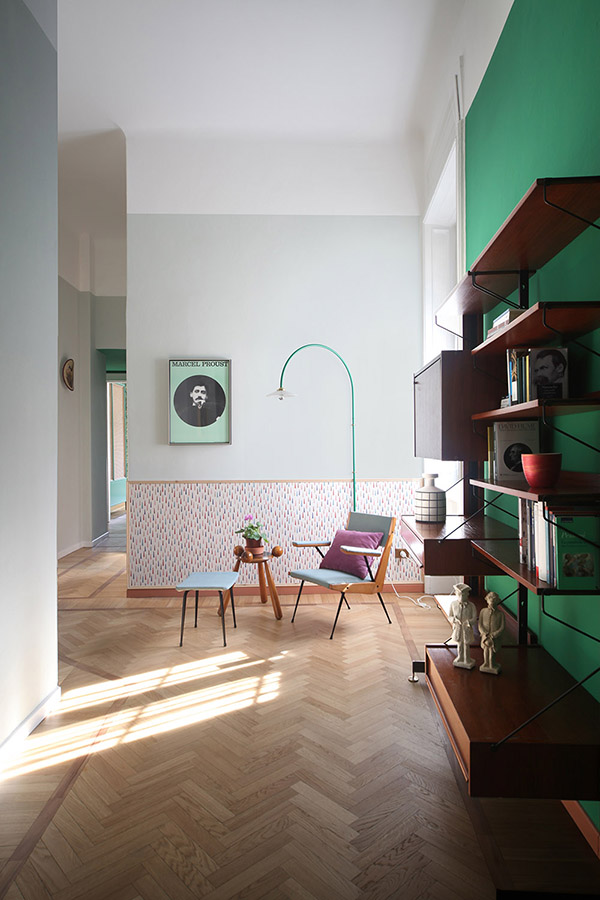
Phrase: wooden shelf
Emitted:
{"points": [[570, 319], [445, 548], [505, 555], [556, 756], [532, 234], [534, 409], [507, 559], [570, 485]]}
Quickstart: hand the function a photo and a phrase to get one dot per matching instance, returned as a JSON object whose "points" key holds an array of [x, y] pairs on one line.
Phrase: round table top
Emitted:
{"points": [[257, 559]]}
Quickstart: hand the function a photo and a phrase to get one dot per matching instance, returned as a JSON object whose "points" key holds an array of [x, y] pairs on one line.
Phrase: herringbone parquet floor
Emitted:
{"points": [[285, 765]]}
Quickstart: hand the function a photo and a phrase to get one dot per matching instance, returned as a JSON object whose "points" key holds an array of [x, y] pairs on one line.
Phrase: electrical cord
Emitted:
{"points": [[418, 601]]}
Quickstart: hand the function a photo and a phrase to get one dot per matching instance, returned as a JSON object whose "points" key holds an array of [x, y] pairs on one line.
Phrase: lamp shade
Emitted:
{"points": [[281, 394]]}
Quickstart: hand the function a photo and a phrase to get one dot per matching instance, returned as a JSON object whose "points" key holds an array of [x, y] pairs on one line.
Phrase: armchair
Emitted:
{"points": [[347, 565]]}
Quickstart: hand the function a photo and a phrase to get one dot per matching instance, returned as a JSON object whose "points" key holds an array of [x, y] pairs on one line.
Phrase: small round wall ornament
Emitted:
{"points": [[430, 501], [67, 374]]}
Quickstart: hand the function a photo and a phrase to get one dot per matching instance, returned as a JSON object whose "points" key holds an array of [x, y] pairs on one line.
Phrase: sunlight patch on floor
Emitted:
{"points": [[100, 733]]}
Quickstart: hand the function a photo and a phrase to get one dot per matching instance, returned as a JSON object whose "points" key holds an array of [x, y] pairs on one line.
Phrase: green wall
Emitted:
{"points": [[537, 114]]}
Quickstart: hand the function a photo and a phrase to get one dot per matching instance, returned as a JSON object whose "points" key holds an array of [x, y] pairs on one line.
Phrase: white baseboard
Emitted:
{"points": [[13, 743], [99, 538], [72, 549]]}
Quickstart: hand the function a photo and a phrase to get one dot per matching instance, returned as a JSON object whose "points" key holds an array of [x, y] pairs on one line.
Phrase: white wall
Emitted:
{"points": [[110, 323], [28, 368], [69, 524], [466, 47], [253, 289], [86, 324], [187, 174]]}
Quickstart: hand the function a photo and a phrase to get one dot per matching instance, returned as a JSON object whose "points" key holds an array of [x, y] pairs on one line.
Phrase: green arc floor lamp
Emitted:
{"points": [[282, 394]]}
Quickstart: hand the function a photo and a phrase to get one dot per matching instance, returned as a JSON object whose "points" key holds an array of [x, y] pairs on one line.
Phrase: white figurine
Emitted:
{"points": [[491, 626], [462, 616]]}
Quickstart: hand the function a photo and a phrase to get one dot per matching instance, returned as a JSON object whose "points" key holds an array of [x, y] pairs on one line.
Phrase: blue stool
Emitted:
{"points": [[208, 581]]}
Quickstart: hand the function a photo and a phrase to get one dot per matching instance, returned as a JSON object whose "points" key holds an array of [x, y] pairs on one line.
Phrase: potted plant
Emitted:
{"points": [[253, 533]]}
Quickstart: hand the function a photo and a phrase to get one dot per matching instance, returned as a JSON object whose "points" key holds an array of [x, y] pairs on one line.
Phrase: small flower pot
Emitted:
{"points": [[541, 469], [255, 547]]}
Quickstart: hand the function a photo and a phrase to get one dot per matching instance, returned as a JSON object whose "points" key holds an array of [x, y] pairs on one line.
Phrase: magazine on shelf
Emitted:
{"points": [[511, 440], [576, 541], [548, 377]]}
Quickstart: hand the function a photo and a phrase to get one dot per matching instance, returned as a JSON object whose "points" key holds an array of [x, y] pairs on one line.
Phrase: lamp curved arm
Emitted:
{"points": [[342, 360]]}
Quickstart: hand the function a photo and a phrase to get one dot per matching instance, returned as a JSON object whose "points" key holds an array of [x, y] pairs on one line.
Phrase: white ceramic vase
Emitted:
{"points": [[430, 501]]}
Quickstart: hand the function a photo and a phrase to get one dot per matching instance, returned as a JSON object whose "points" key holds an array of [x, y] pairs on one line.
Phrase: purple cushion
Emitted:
{"points": [[343, 562]]}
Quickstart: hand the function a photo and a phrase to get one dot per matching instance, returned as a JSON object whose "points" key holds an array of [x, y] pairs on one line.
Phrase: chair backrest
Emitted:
{"points": [[370, 523], [385, 524]]}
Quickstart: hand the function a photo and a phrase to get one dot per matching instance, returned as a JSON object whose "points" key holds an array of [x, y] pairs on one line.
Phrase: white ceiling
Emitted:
{"points": [[291, 69], [232, 70]]}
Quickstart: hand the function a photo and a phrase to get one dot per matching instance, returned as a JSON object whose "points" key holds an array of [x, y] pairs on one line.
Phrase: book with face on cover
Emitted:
{"points": [[511, 440], [548, 373]]}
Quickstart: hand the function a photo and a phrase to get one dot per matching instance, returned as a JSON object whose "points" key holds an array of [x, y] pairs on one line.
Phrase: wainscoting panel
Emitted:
{"points": [[175, 528]]}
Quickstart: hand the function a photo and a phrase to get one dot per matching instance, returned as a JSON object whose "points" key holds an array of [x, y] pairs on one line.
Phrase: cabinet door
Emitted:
{"points": [[427, 388], [447, 392]]}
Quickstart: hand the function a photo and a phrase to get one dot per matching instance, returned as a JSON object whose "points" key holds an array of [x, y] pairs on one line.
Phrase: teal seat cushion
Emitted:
{"points": [[326, 577]]}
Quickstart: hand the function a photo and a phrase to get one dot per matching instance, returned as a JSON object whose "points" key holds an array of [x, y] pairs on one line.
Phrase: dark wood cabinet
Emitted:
{"points": [[447, 547], [447, 393]]}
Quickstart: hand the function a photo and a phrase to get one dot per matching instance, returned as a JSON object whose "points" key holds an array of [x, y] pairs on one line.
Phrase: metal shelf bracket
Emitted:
{"points": [[524, 276], [559, 333], [569, 212], [566, 433], [567, 624], [547, 707]]}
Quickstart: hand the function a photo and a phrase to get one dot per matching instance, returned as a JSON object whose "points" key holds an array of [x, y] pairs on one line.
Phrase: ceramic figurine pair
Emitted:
{"points": [[491, 626]]}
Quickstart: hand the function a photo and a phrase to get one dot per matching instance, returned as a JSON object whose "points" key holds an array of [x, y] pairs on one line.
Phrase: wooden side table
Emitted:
{"points": [[264, 576]]}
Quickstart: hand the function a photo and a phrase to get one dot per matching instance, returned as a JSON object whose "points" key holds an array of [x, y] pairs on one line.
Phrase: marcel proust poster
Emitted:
{"points": [[199, 401]]}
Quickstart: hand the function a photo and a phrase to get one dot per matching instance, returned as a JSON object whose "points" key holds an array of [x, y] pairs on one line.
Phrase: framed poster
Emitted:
{"points": [[199, 401]]}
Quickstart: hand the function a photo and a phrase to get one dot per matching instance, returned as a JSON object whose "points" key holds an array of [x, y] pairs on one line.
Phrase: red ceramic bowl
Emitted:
{"points": [[541, 469]]}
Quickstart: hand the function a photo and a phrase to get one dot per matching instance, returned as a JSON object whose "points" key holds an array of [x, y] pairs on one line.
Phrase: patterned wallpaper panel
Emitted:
{"points": [[175, 528]]}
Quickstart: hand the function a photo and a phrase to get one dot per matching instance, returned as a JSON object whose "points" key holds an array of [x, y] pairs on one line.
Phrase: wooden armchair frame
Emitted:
{"points": [[352, 584]]}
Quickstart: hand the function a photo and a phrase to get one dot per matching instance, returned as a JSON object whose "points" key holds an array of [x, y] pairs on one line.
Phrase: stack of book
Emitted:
{"points": [[561, 544], [537, 373], [507, 441], [504, 319]]}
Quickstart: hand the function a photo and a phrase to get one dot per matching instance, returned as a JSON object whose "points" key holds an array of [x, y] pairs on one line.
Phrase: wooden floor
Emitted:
{"points": [[285, 765]]}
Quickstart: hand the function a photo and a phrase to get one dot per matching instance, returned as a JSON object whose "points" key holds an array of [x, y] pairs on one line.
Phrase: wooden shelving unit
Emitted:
{"points": [[531, 236], [557, 755]]}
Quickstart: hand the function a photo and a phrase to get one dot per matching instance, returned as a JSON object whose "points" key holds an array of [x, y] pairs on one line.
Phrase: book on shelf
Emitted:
{"points": [[509, 441], [507, 316], [537, 373], [523, 532], [548, 377], [561, 544], [517, 370], [576, 542], [541, 540], [503, 320]]}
